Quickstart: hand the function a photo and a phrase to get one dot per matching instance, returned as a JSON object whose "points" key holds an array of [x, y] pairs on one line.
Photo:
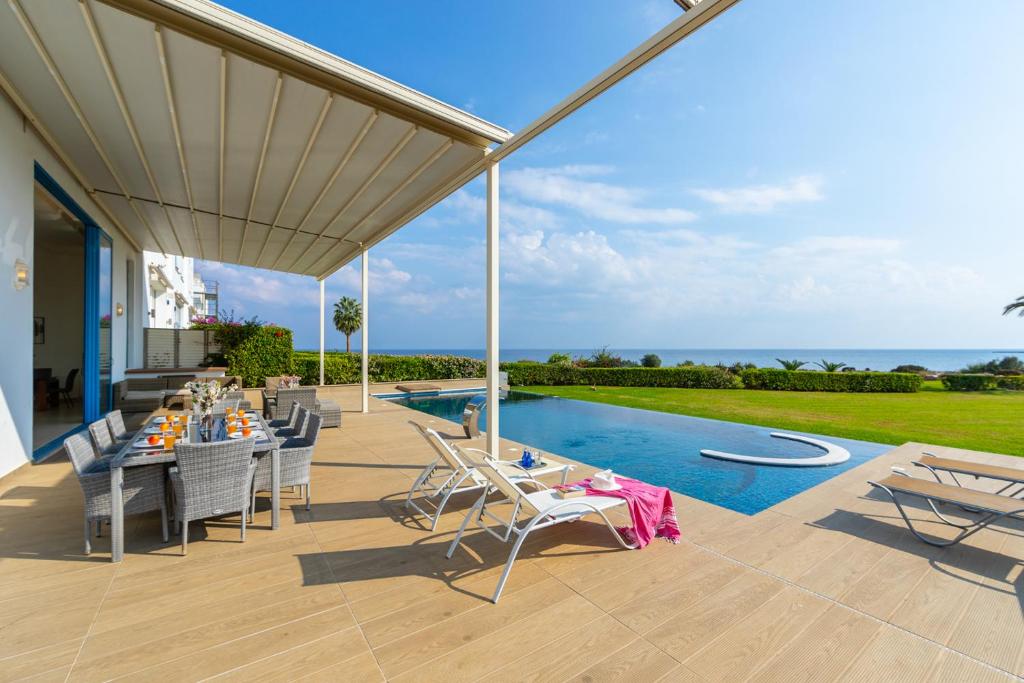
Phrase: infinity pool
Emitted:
{"points": [[660, 448]]}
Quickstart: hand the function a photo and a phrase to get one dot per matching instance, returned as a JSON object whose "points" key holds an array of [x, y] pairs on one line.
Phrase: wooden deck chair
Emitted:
{"points": [[443, 477], [543, 507], [992, 507], [1012, 476]]}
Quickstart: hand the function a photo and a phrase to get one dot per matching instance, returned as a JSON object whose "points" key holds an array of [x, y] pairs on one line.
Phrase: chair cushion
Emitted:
{"points": [[138, 395]]}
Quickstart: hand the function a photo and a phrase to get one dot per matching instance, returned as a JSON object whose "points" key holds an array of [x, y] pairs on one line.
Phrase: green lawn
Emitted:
{"points": [[985, 421]]}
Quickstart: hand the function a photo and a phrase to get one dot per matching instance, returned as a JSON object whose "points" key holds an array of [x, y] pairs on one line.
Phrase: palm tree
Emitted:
{"points": [[1017, 305], [791, 364], [348, 316], [830, 367]]}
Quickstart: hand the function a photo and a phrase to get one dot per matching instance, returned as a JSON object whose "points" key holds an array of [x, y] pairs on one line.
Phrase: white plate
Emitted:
{"points": [[238, 435], [142, 444], [153, 430]]}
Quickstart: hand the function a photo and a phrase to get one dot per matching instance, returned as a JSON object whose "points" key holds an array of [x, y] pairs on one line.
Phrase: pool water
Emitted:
{"points": [[659, 448]]}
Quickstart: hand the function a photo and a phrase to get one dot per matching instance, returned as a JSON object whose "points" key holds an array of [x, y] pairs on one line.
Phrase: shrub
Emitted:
{"points": [[804, 380], [559, 359], [695, 377], [1008, 365], [345, 368], [254, 352], [601, 359], [969, 382], [651, 360], [1015, 383], [909, 368]]}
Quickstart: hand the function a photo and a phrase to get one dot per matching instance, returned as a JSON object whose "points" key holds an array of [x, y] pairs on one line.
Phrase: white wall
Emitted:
{"points": [[19, 147]]}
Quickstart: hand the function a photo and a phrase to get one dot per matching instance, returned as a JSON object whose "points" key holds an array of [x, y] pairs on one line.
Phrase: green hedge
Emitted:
{"points": [[808, 380], [258, 353], [695, 377], [345, 368], [969, 382], [1014, 383]]}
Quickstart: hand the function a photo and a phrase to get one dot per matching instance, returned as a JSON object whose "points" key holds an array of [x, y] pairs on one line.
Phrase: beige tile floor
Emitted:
{"points": [[824, 586]]}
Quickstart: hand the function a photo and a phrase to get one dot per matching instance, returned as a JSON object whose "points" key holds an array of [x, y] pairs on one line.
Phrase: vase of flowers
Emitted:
{"points": [[205, 394], [289, 381]]}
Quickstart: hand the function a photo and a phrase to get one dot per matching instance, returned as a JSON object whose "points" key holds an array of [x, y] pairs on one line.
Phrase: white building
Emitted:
{"points": [[169, 295]]}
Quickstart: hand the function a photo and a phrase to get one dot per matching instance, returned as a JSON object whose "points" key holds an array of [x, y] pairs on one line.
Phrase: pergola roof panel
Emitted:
{"points": [[185, 118]]}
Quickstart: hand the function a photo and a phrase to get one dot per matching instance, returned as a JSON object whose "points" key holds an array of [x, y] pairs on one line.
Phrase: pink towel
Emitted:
{"points": [[650, 507]]}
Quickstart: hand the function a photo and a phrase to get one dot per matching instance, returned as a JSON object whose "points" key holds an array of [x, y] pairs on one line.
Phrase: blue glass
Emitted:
{"points": [[660, 448]]}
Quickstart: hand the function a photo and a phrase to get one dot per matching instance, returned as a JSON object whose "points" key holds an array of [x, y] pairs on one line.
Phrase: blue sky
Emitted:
{"points": [[797, 174]]}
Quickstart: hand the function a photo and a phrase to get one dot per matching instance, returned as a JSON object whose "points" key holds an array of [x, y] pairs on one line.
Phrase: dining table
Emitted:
{"points": [[134, 454]]}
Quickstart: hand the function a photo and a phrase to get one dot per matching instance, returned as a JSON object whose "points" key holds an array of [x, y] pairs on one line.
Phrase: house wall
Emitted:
{"points": [[19, 148]]}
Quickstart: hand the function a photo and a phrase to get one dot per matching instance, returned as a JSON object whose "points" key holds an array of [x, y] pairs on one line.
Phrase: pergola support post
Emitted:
{"points": [[322, 332], [493, 275], [365, 329]]}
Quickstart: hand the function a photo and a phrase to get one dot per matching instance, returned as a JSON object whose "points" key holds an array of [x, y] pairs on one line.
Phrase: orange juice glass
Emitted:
{"points": [[169, 442], [178, 428]]}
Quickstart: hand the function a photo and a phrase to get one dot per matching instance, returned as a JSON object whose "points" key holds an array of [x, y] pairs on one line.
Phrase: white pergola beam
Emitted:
{"points": [[445, 146], [493, 317], [353, 146], [297, 172], [76, 109], [364, 328], [165, 71], [271, 117], [222, 110], [395, 151], [676, 31]]}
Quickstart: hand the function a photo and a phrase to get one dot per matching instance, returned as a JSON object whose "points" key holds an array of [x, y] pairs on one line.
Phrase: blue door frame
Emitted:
{"points": [[91, 332]]}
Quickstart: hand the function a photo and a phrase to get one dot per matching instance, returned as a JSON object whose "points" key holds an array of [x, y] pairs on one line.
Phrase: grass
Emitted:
{"points": [[985, 421]]}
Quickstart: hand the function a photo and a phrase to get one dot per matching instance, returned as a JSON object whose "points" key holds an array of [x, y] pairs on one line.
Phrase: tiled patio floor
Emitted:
{"points": [[827, 585]]}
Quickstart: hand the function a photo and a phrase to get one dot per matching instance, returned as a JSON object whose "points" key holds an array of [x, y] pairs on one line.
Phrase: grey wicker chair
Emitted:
{"points": [[101, 439], [143, 486], [292, 426], [304, 396], [220, 407], [115, 423], [243, 402], [296, 458], [212, 479]]}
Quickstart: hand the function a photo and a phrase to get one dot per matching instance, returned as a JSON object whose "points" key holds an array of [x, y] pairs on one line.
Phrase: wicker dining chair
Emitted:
{"points": [[220, 408], [292, 426], [211, 480], [296, 457], [101, 439], [239, 396], [305, 396], [143, 489], [115, 423]]}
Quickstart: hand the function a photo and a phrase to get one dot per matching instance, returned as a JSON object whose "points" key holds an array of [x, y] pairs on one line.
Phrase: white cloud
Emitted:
{"points": [[566, 186], [762, 198]]}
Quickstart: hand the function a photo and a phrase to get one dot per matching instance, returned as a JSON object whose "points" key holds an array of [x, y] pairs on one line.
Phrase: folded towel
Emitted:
{"points": [[650, 508]]}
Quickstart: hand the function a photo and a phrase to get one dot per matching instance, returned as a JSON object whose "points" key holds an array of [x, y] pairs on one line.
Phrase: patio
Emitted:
{"points": [[826, 585]]}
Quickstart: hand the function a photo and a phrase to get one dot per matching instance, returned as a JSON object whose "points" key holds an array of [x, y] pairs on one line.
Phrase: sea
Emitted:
{"points": [[861, 359]]}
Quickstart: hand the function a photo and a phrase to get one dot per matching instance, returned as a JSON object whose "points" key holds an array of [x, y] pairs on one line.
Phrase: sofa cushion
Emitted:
{"points": [[145, 384], [157, 396]]}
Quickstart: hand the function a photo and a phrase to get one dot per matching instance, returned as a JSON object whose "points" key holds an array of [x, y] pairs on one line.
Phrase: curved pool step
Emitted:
{"points": [[833, 454]]}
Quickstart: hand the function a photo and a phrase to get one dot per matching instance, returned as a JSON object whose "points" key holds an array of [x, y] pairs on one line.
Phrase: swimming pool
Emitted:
{"points": [[661, 448]]}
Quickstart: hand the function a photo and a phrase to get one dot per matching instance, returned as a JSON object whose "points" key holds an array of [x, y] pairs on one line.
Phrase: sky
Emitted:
{"points": [[794, 175]]}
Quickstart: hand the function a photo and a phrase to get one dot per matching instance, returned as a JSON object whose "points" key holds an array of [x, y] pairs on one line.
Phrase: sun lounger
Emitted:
{"points": [[448, 475], [542, 506], [989, 506], [1011, 475]]}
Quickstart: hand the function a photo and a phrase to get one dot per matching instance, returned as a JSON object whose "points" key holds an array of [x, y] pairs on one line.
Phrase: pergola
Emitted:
{"points": [[202, 133]]}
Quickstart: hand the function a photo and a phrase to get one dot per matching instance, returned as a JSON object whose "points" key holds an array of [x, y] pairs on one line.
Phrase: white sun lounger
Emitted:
{"points": [[543, 506], [448, 475]]}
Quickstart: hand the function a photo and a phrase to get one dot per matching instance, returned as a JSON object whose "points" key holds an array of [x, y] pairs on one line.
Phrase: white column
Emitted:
{"points": [[322, 332], [364, 328], [492, 311]]}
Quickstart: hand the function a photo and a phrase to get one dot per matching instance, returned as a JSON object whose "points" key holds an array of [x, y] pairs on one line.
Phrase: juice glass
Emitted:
{"points": [[169, 440]]}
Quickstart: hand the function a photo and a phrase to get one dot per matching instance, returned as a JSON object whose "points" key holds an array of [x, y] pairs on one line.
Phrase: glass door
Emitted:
{"points": [[105, 310]]}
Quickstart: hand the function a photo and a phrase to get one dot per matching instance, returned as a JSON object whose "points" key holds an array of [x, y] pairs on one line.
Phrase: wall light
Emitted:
{"points": [[120, 310], [20, 274]]}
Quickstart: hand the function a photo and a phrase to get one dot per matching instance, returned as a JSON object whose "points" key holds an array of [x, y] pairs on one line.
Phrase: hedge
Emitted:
{"points": [[969, 382], [695, 377], [809, 380], [345, 368], [1015, 383]]}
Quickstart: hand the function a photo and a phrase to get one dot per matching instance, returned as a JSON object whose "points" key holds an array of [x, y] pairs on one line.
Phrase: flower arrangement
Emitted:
{"points": [[206, 393], [289, 381]]}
